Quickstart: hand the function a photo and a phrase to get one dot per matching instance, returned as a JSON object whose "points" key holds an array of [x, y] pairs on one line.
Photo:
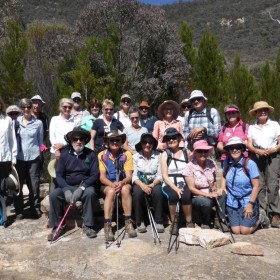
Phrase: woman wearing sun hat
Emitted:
{"points": [[234, 126], [168, 112], [264, 143], [200, 175]]}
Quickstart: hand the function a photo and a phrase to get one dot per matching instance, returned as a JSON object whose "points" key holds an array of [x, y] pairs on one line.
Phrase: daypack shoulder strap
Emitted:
{"points": [[170, 158], [208, 114]]}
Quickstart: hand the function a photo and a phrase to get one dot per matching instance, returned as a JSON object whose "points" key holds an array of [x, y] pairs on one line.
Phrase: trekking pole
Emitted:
{"points": [[61, 223], [152, 223], [175, 222], [224, 216]]}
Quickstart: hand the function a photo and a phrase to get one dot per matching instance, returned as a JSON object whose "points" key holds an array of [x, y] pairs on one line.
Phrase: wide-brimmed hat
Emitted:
{"points": [[13, 108], [144, 104], [231, 108], [261, 105], [51, 168], [234, 141], [77, 132], [38, 97], [138, 146], [185, 102], [169, 132], [12, 182], [115, 134], [197, 93], [201, 145], [176, 108]]}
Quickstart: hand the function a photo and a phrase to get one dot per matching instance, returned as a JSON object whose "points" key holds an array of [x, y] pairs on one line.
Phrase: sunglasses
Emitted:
{"points": [[75, 139], [143, 108], [26, 107], [150, 142], [199, 99], [108, 109], [237, 147], [172, 138], [67, 107], [94, 108], [185, 107], [202, 151], [77, 99], [125, 101], [134, 118], [115, 140], [13, 114], [262, 110]]}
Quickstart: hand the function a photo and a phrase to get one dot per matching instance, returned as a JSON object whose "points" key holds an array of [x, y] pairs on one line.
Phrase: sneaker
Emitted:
{"points": [[275, 222], [13, 209], [141, 228], [59, 233], [264, 220], [203, 226], [190, 225], [109, 236], [130, 229], [160, 228], [90, 232], [19, 216], [174, 229]]}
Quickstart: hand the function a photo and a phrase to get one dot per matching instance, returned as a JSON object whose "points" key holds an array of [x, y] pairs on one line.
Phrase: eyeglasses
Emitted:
{"points": [[143, 108], [134, 118], [199, 99], [237, 147], [202, 151], [26, 107], [67, 107], [75, 139], [108, 109], [172, 138], [115, 140], [126, 101], [94, 108]]}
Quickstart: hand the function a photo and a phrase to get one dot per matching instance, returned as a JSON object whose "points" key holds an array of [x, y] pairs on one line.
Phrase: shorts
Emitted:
{"points": [[236, 216]]}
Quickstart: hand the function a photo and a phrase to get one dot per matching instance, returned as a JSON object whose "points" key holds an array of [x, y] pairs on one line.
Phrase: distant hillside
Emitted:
{"points": [[243, 26]]}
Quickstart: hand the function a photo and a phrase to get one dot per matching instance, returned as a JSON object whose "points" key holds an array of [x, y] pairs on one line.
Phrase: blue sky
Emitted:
{"points": [[161, 2]]}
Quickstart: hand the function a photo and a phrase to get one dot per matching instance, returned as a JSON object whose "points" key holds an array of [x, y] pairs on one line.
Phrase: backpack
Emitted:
{"points": [[170, 158], [208, 115], [243, 127]]}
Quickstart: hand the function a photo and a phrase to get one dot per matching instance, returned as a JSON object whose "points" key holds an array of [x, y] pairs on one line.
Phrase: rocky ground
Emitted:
{"points": [[25, 253]]}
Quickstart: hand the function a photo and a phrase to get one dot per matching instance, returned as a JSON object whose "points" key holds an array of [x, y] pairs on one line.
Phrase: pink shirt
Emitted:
{"points": [[161, 126], [202, 177], [230, 132]]}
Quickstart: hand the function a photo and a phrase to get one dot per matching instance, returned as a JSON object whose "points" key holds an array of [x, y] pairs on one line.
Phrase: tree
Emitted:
{"points": [[244, 90], [12, 64]]}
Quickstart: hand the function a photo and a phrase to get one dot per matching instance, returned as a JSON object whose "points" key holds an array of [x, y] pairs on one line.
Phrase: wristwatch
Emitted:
{"points": [[82, 187]]}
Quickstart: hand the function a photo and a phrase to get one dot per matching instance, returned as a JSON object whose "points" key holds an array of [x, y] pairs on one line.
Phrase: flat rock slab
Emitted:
{"points": [[246, 248], [206, 238]]}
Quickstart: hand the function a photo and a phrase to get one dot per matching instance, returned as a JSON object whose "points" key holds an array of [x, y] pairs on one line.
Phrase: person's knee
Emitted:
{"points": [[236, 230], [55, 193], [125, 191], [109, 194]]}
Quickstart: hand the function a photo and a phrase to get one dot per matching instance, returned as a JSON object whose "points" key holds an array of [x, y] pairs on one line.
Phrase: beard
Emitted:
{"points": [[78, 148]]}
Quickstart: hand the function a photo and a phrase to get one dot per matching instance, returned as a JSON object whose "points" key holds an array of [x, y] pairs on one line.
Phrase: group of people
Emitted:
{"points": [[130, 154]]}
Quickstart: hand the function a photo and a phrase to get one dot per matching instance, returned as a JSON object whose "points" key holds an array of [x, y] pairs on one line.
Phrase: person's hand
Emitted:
{"points": [[68, 196], [197, 133], [220, 192], [179, 191], [57, 154], [117, 186], [248, 211], [77, 194], [146, 189], [261, 152], [212, 194]]}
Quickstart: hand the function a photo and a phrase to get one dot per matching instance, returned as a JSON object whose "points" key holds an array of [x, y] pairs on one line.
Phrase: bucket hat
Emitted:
{"points": [[51, 168], [234, 141], [201, 145], [175, 105], [115, 134], [197, 93], [38, 97], [169, 132], [261, 105], [77, 132], [138, 146]]}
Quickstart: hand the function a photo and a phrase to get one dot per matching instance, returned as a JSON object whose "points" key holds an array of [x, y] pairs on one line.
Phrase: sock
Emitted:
{"points": [[127, 218], [107, 221]]}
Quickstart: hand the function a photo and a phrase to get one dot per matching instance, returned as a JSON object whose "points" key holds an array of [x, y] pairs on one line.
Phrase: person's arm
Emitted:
{"points": [[216, 123], [93, 172], [40, 133], [92, 137], [248, 210], [251, 147], [105, 181], [126, 147], [12, 141]]}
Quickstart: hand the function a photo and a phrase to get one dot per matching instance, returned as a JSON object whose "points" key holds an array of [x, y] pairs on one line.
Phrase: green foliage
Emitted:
{"points": [[243, 87], [12, 64]]}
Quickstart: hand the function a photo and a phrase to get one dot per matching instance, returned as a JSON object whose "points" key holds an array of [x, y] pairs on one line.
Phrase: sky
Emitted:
{"points": [[161, 2]]}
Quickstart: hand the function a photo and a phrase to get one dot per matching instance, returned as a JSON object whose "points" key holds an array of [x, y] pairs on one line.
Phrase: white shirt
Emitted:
{"points": [[59, 127], [8, 142], [264, 137], [123, 118]]}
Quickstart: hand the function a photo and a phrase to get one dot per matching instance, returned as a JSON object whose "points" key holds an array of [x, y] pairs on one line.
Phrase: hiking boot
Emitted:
{"points": [[109, 236], [59, 233], [19, 216], [13, 209], [130, 229], [90, 232], [160, 228], [275, 222], [264, 220], [36, 213], [174, 229], [141, 228], [203, 226], [190, 225]]}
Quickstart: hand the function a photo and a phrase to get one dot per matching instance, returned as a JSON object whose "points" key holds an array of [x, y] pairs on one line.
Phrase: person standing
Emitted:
{"points": [[122, 114], [264, 143], [146, 119], [77, 111], [29, 140]]}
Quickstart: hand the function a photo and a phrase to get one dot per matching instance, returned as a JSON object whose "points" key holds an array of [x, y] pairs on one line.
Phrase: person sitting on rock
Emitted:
{"points": [[77, 175], [116, 168]]}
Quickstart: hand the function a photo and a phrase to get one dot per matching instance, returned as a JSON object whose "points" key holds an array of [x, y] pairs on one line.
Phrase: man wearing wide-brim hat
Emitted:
{"points": [[76, 175], [116, 168], [264, 143], [201, 122]]}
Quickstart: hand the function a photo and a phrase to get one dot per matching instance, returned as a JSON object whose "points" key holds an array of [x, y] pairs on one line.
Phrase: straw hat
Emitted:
{"points": [[261, 105], [175, 105], [51, 168]]}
